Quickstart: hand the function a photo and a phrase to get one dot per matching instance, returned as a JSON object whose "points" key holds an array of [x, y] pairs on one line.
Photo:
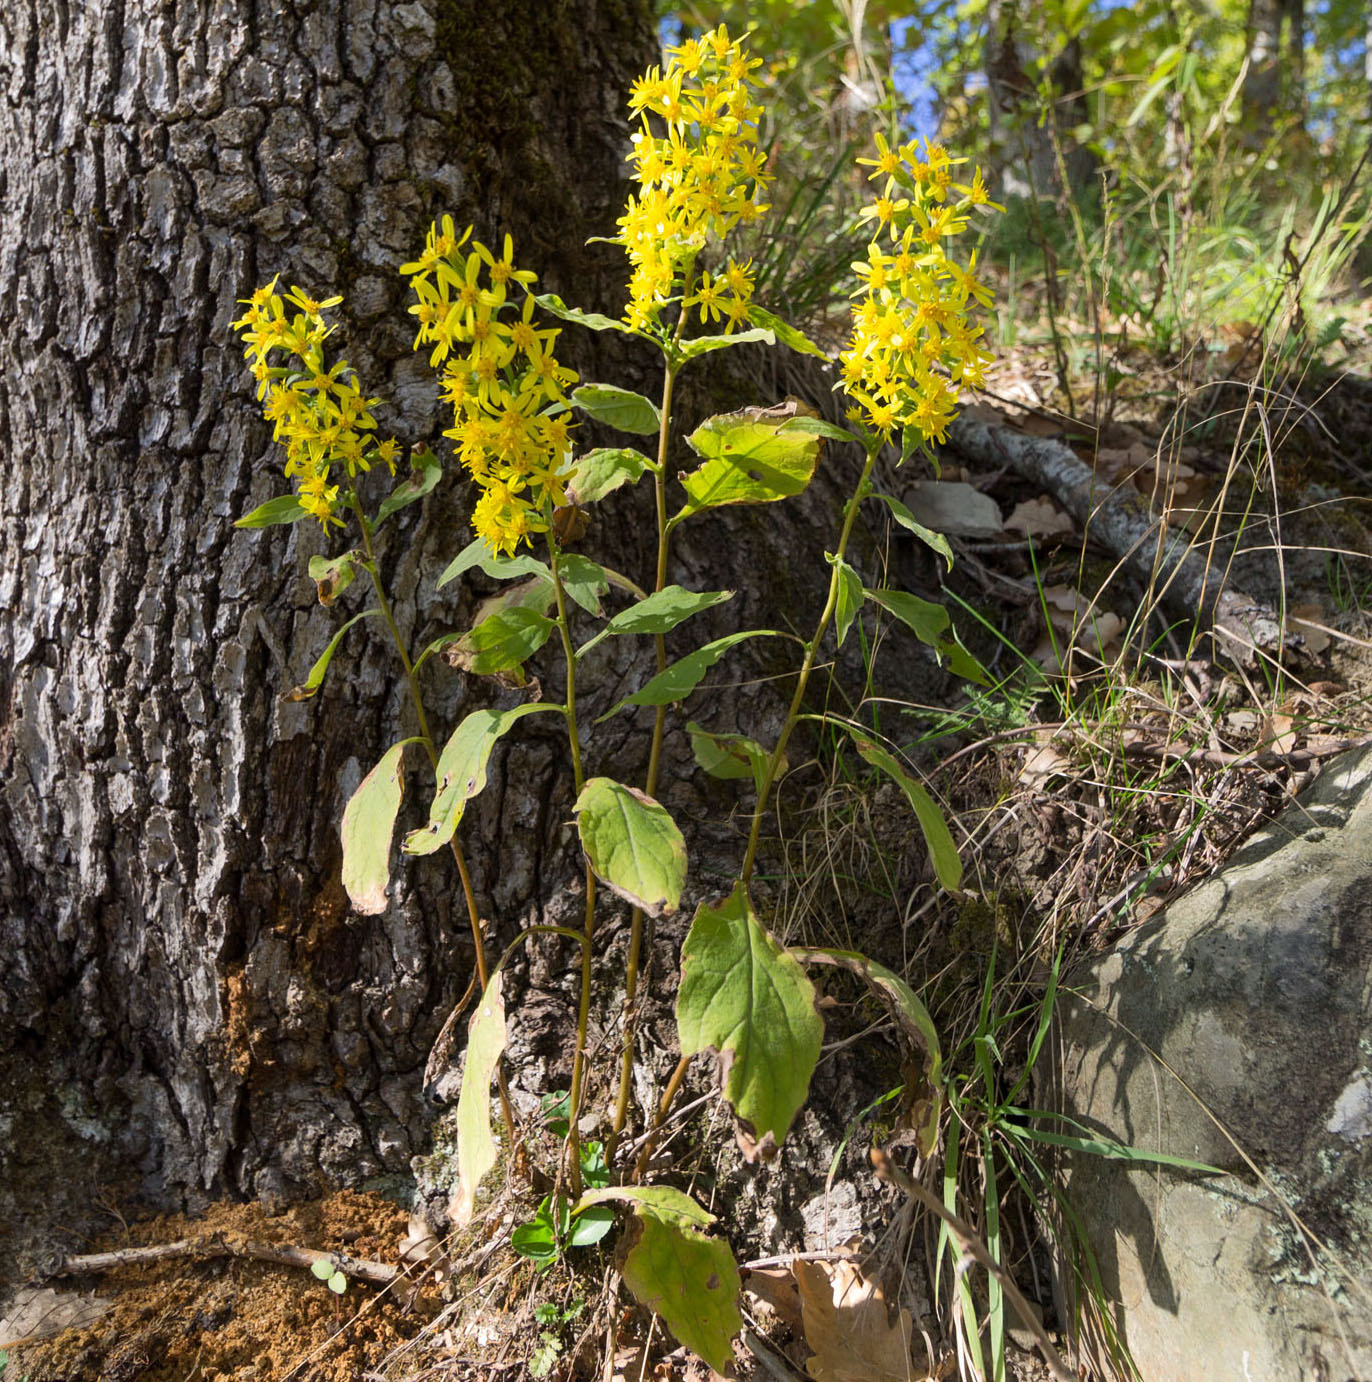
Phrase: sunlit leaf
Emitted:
{"points": [[619, 408], [333, 575], [633, 844], [742, 995], [676, 681], [703, 345], [850, 598], [461, 772], [584, 580], [284, 508], [604, 470], [659, 612], [368, 821], [315, 680], [550, 302], [476, 1150], [730, 756], [929, 622], [502, 641], [942, 851], [426, 473], [754, 456], [477, 553], [787, 334], [901, 513]]}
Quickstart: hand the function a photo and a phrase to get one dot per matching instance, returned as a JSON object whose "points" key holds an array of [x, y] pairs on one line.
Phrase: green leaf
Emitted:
{"points": [[550, 302], [620, 408], [665, 1201], [323, 1268], [338, 1283], [426, 473], [755, 456], [333, 575], [730, 756], [478, 553], [591, 1226], [850, 598], [1108, 1148], [315, 680], [475, 1145], [820, 427], [930, 623], [659, 612], [633, 845], [502, 641], [906, 519], [912, 1020], [284, 508], [537, 1239], [461, 772], [744, 996], [942, 850], [584, 580], [787, 334], [703, 345], [368, 820], [676, 681], [673, 1269], [604, 470]]}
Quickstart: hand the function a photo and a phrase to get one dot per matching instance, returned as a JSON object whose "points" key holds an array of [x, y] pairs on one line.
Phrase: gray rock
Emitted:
{"points": [[1236, 1030]]}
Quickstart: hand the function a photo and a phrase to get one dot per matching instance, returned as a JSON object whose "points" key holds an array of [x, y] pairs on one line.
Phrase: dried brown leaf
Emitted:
{"points": [[1039, 518], [847, 1327]]}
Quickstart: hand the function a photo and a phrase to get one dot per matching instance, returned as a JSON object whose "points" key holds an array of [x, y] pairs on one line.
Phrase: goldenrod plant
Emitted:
{"points": [[700, 174]]}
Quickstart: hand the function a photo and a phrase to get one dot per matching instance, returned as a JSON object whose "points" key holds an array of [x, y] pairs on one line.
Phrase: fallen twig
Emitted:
{"points": [[218, 1245]]}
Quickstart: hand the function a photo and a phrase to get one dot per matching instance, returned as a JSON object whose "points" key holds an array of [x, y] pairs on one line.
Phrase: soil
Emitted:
{"points": [[186, 1320]]}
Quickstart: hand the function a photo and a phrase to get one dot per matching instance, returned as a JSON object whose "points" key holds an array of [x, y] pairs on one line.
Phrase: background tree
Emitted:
{"points": [[184, 983]]}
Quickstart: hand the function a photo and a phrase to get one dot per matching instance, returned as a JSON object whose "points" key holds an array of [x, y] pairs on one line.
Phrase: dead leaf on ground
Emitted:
{"points": [[775, 1287], [847, 1327], [1278, 733], [1308, 621], [1039, 518], [39, 1312], [1044, 760]]}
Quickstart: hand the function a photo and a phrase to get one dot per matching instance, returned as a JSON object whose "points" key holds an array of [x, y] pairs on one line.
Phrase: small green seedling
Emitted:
{"points": [[329, 1273], [551, 1318]]}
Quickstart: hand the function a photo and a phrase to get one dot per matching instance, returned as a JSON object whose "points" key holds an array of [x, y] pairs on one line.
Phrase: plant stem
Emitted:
{"points": [[583, 1016], [626, 1061], [807, 666], [459, 858]]}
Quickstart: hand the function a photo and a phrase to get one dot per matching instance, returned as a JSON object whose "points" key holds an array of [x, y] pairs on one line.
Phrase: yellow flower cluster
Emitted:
{"points": [[317, 411], [506, 387], [701, 178], [912, 342]]}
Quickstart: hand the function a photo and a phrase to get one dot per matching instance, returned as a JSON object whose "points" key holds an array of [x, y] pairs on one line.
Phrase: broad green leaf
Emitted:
{"points": [[620, 408], [502, 641], [906, 519], [478, 553], [744, 996], [633, 845], [315, 680], [475, 1145], [730, 756], [333, 575], [787, 334], [942, 850], [930, 623], [850, 598], [604, 470], [591, 1226], [665, 1201], [368, 820], [703, 345], [461, 772], [677, 681], [338, 1283], [690, 1280], [659, 612], [913, 1020], [550, 302], [820, 427], [284, 508], [584, 580], [426, 473], [322, 1268], [751, 457]]}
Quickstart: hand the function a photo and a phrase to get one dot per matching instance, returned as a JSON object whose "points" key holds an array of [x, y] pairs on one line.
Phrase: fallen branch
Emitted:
{"points": [[217, 1245], [1123, 522]]}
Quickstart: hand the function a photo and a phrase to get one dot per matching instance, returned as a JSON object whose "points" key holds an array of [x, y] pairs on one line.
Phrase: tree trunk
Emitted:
{"points": [[1275, 80], [185, 984], [183, 979]]}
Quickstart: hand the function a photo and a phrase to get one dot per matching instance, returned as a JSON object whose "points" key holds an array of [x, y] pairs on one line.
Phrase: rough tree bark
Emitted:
{"points": [[1275, 80], [185, 985]]}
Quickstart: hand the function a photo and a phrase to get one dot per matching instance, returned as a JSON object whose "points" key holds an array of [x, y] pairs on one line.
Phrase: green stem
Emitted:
{"points": [[459, 858], [664, 534], [806, 667], [583, 1016]]}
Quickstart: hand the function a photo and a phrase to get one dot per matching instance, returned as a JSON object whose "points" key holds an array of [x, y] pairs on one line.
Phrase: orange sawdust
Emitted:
{"points": [[195, 1320]]}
